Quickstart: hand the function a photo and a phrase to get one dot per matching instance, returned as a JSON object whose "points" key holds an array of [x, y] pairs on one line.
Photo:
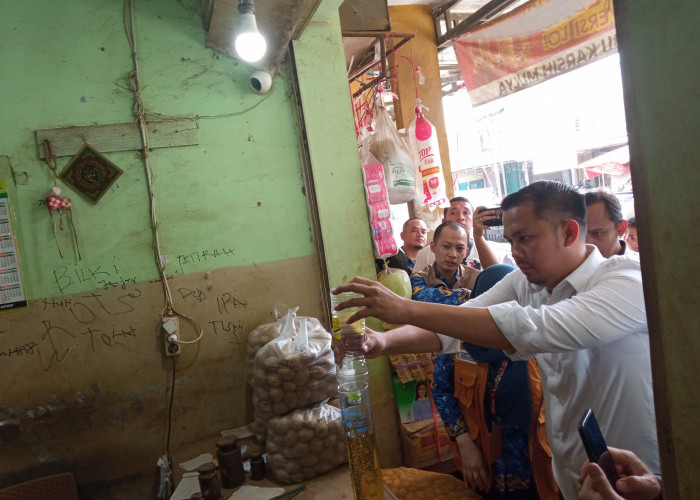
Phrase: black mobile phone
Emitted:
{"points": [[596, 448], [497, 221]]}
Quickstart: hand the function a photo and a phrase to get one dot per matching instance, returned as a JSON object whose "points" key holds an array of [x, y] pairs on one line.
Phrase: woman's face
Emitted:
{"points": [[422, 391]]}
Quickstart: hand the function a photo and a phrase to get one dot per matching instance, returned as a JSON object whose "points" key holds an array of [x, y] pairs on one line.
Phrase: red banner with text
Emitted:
{"points": [[537, 41]]}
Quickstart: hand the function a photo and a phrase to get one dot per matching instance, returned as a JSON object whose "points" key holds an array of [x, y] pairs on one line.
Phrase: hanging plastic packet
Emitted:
{"points": [[378, 208], [396, 158], [424, 144]]}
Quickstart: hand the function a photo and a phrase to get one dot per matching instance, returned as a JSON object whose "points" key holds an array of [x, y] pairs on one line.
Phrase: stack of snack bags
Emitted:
{"points": [[293, 378]]}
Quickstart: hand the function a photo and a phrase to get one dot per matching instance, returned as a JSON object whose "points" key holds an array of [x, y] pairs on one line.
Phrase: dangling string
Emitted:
{"points": [[75, 232], [395, 79], [53, 203], [416, 69], [50, 159], [56, 202]]}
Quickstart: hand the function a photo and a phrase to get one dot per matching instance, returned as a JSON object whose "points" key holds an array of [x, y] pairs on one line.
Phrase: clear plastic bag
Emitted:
{"points": [[396, 158], [396, 280], [292, 371], [287, 320], [305, 443], [262, 334]]}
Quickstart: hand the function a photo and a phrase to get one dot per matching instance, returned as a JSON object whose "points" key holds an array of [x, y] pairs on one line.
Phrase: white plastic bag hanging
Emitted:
{"points": [[394, 155], [424, 144]]}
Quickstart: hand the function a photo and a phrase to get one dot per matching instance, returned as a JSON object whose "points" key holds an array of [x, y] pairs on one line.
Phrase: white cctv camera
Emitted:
{"points": [[260, 81]]}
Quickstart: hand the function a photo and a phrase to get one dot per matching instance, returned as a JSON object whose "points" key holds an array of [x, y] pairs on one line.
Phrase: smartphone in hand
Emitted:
{"points": [[596, 448], [498, 221]]}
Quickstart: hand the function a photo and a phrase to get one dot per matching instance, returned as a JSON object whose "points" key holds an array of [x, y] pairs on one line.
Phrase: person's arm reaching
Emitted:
{"points": [[471, 324], [403, 340], [612, 309]]}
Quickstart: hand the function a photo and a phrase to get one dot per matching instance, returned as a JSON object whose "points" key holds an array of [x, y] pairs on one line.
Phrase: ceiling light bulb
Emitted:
{"points": [[249, 43]]}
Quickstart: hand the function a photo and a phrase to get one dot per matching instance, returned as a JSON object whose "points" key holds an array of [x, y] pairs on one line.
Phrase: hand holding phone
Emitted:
{"points": [[596, 448], [497, 212]]}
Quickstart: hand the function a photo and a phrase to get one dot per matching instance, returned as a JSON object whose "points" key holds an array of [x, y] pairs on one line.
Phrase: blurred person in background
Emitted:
{"points": [[606, 226], [631, 236]]}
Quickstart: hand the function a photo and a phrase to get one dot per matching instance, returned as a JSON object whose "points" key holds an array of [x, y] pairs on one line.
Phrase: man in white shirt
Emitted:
{"points": [[606, 227], [582, 316]]}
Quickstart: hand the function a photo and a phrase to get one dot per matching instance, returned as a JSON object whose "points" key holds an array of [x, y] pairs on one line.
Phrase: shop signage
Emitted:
{"points": [[537, 41]]}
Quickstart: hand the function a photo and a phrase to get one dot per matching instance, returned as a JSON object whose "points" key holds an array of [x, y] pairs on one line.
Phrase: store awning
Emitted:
{"points": [[615, 162], [534, 42]]}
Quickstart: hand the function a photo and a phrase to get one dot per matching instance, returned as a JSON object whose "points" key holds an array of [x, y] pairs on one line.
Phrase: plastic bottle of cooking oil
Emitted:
{"points": [[347, 337], [353, 391]]}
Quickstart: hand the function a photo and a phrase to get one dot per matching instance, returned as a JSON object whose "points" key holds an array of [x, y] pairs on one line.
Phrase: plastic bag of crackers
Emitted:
{"points": [[410, 367], [416, 484], [292, 371], [305, 443]]}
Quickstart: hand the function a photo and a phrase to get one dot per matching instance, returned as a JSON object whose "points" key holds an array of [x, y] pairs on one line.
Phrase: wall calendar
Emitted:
{"points": [[11, 289]]}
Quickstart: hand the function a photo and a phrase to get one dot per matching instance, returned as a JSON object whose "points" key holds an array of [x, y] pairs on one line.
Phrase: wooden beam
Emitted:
{"points": [[65, 141], [308, 9], [479, 17]]}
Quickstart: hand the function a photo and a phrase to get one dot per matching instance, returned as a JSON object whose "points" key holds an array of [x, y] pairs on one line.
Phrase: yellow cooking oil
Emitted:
{"points": [[364, 467]]}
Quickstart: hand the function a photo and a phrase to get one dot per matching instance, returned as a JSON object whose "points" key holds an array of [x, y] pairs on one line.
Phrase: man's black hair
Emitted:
{"points": [[455, 200], [409, 220], [454, 225], [552, 200], [612, 204], [632, 222]]}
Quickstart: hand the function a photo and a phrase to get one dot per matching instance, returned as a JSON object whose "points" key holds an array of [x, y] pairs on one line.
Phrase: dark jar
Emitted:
{"points": [[228, 453], [257, 468], [209, 482]]}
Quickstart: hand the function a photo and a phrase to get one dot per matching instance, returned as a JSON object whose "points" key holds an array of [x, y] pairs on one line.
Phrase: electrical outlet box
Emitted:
{"points": [[170, 330]]}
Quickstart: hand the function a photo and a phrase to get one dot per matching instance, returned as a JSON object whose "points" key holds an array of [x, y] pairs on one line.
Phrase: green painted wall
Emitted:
{"points": [[660, 59], [233, 219], [238, 192], [342, 210]]}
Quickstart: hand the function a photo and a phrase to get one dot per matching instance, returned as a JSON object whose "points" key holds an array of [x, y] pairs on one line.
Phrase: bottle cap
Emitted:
{"points": [[206, 468], [227, 442]]}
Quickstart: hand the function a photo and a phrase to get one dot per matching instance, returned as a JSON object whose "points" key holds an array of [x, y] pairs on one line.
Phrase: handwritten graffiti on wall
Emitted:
{"points": [[65, 328], [101, 276], [201, 256], [67, 277]]}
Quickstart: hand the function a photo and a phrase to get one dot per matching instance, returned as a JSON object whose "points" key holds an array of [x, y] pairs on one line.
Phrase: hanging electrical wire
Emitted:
{"points": [[135, 85]]}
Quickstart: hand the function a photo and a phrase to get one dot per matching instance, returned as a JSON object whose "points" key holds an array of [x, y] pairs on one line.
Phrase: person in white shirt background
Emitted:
{"points": [[582, 317], [606, 227]]}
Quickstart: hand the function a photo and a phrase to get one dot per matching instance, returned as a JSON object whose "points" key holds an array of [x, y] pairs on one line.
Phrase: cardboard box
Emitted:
{"points": [[420, 445]]}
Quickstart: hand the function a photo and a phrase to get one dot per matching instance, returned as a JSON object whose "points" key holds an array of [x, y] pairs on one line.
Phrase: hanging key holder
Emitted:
{"points": [[57, 204]]}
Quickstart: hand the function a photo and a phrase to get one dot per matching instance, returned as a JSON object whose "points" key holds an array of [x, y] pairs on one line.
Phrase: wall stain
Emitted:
{"points": [[137, 403]]}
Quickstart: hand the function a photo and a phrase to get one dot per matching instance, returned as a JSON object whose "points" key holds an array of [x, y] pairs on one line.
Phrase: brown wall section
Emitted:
{"points": [[98, 402]]}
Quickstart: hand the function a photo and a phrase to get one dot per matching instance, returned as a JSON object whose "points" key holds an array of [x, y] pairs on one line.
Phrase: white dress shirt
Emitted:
{"points": [[591, 341], [627, 251]]}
